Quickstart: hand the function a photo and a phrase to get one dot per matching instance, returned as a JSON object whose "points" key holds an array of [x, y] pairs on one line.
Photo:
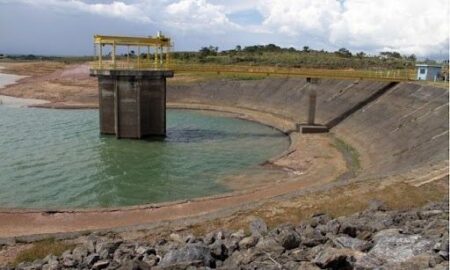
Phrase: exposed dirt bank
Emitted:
{"points": [[400, 144]]}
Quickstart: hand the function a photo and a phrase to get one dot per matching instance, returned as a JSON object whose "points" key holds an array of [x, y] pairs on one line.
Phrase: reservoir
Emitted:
{"points": [[57, 159]]}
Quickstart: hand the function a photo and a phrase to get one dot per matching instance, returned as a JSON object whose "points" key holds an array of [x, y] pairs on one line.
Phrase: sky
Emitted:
{"points": [[66, 27]]}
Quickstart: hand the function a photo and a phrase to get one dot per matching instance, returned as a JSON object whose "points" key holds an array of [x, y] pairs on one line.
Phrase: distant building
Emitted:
{"points": [[428, 72]]}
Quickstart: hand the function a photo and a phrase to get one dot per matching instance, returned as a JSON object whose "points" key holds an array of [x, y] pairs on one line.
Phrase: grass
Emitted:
{"points": [[341, 201], [41, 249], [350, 154]]}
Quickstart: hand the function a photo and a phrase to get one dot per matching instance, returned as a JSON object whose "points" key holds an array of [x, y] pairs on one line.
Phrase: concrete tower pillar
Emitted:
{"points": [[132, 103]]}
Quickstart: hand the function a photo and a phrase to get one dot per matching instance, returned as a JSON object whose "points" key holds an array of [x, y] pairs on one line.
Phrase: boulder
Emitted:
{"points": [[80, 252], [269, 245], [312, 237], [248, 242], [91, 259], [395, 247], [258, 227], [288, 238], [336, 258], [101, 264], [218, 250], [352, 243], [190, 254]]}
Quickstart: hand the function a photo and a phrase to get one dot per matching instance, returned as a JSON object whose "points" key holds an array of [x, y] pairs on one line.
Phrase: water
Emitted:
{"points": [[56, 158]]}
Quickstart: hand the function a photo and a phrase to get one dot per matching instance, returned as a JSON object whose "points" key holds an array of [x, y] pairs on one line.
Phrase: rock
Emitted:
{"points": [[307, 266], [52, 263], [145, 250], [151, 259], [176, 238], [367, 262], [232, 244], [91, 259], [101, 264], [352, 243], [288, 238], [238, 235], [429, 213], [218, 250], [376, 205], [191, 254], [190, 238], [312, 237], [320, 219], [90, 243], [258, 227], [80, 252], [209, 238], [106, 246], [69, 261], [248, 242], [348, 229], [269, 245], [333, 226], [336, 258], [239, 258], [298, 254], [395, 247]]}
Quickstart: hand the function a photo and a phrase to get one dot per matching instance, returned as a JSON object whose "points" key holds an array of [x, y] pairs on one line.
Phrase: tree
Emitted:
{"points": [[391, 54], [361, 55], [411, 58], [207, 51], [238, 48], [343, 52], [306, 49]]}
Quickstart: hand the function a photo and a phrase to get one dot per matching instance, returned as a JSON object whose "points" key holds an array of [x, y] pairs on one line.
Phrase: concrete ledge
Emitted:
{"points": [[304, 128], [131, 73]]}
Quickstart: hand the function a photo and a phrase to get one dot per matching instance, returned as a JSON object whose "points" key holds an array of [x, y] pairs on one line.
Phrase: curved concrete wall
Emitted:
{"points": [[402, 134]]}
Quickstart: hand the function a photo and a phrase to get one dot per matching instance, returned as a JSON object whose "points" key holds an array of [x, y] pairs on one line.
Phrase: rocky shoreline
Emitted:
{"points": [[373, 239]]}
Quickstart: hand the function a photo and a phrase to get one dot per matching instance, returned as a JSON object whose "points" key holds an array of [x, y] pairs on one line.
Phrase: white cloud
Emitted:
{"points": [[297, 17], [406, 26], [198, 15], [116, 9]]}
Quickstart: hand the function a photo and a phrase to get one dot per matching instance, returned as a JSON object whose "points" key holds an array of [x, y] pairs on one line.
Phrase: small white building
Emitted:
{"points": [[428, 72]]}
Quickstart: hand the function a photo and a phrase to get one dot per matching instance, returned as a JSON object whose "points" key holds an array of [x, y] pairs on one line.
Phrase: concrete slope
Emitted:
{"points": [[403, 133]]}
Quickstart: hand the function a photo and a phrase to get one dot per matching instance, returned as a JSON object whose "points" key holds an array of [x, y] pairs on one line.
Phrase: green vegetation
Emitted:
{"points": [[273, 55], [41, 249], [350, 154], [64, 59]]}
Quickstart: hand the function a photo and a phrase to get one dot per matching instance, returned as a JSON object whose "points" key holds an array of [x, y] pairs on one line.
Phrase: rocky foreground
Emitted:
{"points": [[373, 239]]}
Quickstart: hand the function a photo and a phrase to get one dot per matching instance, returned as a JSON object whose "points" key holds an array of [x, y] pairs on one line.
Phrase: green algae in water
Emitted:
{"points": [[56, 158]]}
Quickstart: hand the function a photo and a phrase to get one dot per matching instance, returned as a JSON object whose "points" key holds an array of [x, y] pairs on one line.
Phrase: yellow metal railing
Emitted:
{"points": [[147, 64], [155, 55]]}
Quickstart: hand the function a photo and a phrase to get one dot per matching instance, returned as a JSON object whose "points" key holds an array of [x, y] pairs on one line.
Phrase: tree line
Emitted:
{"points": [[306, 57]]}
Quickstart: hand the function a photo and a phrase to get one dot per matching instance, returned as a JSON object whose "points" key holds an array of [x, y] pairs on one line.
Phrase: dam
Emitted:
{"points": [[399, 138]]}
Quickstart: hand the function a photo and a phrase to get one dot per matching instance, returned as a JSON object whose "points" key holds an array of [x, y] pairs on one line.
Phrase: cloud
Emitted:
{"points": [[116, 9], [299, 17], [407, 26], [198, 15], [411, 26]]}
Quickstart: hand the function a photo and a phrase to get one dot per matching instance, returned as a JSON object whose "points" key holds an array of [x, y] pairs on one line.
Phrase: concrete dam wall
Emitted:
{"points": [[401, 134]]}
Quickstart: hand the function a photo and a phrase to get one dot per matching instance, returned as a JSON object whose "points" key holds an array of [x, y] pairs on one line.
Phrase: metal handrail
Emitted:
{"points": [[388, 74]]}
